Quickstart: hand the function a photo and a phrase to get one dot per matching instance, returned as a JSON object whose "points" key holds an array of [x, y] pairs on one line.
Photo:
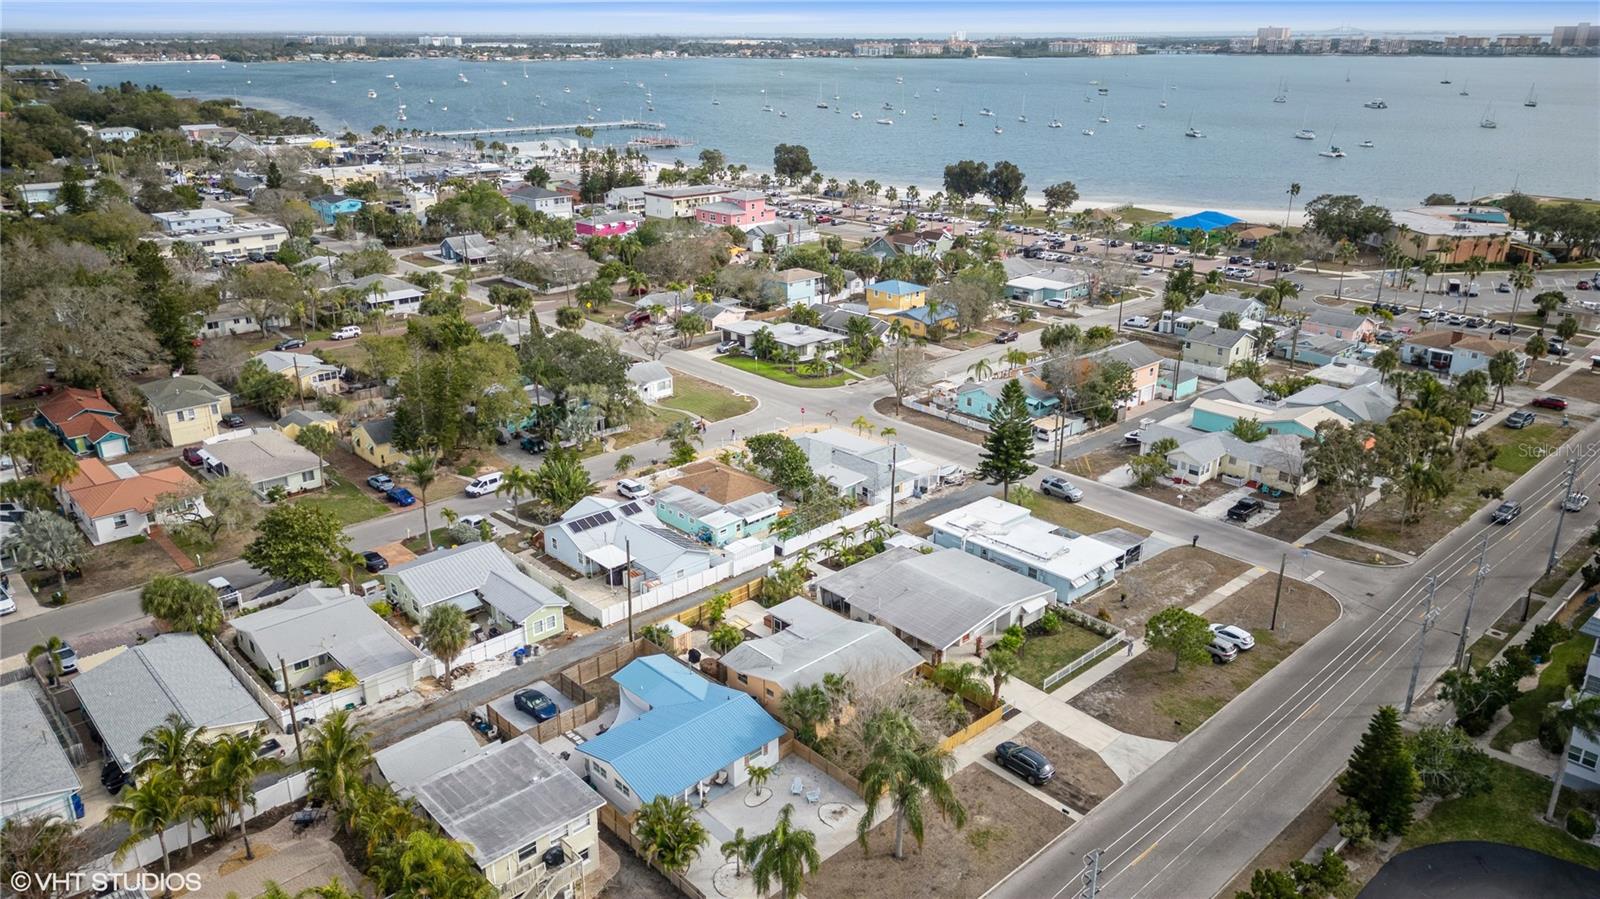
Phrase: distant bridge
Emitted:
{"points": [[508, 130]]}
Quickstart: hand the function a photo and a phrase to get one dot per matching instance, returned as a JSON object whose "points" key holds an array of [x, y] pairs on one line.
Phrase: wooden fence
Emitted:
{"points": [[607, 661], [989, 719], [585, 709], [695, 615], [622, 826]]}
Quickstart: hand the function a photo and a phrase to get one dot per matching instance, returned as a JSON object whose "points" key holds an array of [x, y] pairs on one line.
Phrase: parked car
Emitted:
{"points": [[1476, 417], [374, 560], [112, 777], [1245, 508], [1520, 419], [400, 496], [1550, 402], [728, 346], [1060, 487], [67, 657], [1222, 653], [348, 332], [1025, 762], [532, 445], [380, 482], [192, 456], [1006, 337], [1506, 512], [485, 484], [1231, 633], [1584, 285], [232, 420], [631, 489], [1132, 437], [290, 343], [535, 704], [1136, 321], [472, 521], [7, 603], [227, 593]]}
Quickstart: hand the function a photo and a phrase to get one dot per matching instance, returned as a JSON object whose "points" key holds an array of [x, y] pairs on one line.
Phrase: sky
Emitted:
{"points": [[830, 18]]}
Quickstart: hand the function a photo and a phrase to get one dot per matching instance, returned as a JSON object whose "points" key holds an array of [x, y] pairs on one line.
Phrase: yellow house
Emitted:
{"points": [[296, 420], [895, 296], [187, 408], [374, 442], [308, 372]]}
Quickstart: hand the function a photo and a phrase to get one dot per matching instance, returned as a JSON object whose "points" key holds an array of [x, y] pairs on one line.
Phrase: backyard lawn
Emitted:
{"points": [[1509, 813], [783, 375], [711, 402], [1528, 709], [349, 503], [1046, 654], [647, 424]]}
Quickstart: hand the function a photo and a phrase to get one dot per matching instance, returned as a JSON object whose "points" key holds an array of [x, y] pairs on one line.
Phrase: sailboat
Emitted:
{"points": [[887, 106], [1446, 78], [1463, 91], [1305, 133], [1023, 116], [1488, 118], [766, 107], [1191, 132], [821, 103], [372, 94], [524, 71], [1088, 132], [1533, 99], [1163, 94], [999, 130], [856, 114], [985, 111], [885, 121], [961, 120], [462, 77], [1283, 92], [1055, 121], [1333, 151], [1103, 118]]}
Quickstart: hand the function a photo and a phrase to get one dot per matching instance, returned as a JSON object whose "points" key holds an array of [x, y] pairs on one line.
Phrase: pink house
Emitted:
{"points": [[740, 208], [612, 224]]}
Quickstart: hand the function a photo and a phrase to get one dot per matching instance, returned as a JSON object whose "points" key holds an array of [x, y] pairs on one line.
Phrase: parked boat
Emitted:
{"points": [[1376, 103], [1192, 131]]}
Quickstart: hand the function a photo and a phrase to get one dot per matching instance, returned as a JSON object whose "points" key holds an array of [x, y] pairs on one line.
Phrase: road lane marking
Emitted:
{"points": [[1145, 853], [1315, 574]]}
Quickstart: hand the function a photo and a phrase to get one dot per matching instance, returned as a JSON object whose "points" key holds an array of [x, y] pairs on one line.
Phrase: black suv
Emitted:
{"points": [[1244, 508], [1029, 764]]}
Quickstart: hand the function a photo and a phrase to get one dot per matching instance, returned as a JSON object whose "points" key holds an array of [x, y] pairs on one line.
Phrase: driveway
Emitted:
{"points": [[1473, 870]]}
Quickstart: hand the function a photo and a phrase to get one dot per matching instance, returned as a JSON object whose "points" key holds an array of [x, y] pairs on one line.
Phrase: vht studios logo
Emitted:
{"points": [[103, 882]]}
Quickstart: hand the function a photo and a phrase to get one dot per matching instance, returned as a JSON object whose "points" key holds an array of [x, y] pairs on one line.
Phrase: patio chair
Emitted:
{"points": [[813, 796], [796, 787]]}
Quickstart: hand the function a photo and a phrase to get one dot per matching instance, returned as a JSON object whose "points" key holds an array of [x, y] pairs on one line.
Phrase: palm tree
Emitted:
{"points": [[1580, 712], [1521, 279], [236, 764], [998, 666], [1294, 191], [177, 746], [517, 481], [960, 679], [51, 648], [806, 707], [148, 810], [737, 850], [861, 424], [1430, 267], [1015, 358], [445, 632], [1281, 289], [785, 853], [1386, 362], [671, 835], [909, 773], [336, 757], [759, 775], [422, 469], [1470, 270], [980, 370]]}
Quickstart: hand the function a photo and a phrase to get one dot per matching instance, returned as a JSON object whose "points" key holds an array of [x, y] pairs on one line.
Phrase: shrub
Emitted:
{"points": [[1102, 614], [1552, 736], [1491, 493], [138, 539], [381, 609], [1580, 824], [467, 469], [1546, 636], [1353, 824], [1050, 622], [1576, 672]]}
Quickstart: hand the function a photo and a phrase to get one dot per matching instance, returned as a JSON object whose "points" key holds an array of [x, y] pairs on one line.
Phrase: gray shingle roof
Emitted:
{"points": [[379, 430], [138, 688], [181, 392], [648, 372], [36, 765], [478, 567], [818, 642], [263, 456], [420, 756], [1134, 353], [327, 620], [1207, 335], [938, 597], [505, 798]]}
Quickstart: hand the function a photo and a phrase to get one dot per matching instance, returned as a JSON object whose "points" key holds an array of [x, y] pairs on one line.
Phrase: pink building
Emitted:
{"points": [[740, 208], [612, 224]]}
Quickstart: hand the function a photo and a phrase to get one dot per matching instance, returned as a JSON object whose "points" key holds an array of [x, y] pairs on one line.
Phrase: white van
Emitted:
{"points": [[485, 484], [348, 332]]}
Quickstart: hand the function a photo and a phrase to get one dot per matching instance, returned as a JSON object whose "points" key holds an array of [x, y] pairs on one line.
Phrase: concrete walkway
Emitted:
{"points": [[1206, 604]]}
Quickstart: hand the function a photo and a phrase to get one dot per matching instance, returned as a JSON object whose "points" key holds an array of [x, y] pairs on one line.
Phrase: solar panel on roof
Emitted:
{"points": [[592, 521], [631, 509]]}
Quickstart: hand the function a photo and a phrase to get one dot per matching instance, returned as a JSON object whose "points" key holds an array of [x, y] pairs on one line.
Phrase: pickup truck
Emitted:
{"points": [[1244, 509]]}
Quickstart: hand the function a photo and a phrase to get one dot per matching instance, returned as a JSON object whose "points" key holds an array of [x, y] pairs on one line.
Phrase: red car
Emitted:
{"points": [[1584, 285], [192, 456], [1006, 337], [37, 390], [1550, 402]]}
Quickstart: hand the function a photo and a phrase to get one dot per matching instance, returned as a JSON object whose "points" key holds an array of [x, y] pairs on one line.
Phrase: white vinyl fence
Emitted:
{"points": [[613, 612], [856, 519], [273, 796]]}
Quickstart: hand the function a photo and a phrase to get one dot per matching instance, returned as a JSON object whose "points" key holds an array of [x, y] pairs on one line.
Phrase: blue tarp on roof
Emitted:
{"points": [[1209, 220], [693, 729]]}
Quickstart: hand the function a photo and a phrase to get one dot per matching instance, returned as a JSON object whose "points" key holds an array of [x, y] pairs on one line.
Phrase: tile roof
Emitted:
{"points": [[99, 491], [138, 688], [505, 797], [181, 392], [692, 729], [36, 765]]}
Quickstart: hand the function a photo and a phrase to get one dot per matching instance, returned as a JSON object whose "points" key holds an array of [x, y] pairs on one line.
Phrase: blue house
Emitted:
{"points": [[979, 398], [677, 734], [331, 206]]}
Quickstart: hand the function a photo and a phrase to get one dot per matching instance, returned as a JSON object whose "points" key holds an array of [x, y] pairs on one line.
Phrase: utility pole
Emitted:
{"points": [[294, 721], [1472, 597], [894, 459], [627, 583], [1278, 596], [1428, 614], [1561, 517], [1091, 874]]}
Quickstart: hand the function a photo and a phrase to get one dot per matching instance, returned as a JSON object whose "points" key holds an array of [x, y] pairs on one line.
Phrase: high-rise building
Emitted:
{"points": [[1465, 42], [875, 48], [1272, 33], [1580, 35], [438, 40]]}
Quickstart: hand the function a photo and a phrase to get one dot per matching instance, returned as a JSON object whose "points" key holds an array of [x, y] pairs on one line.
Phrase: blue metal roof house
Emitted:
{"points": [[676, 734]]}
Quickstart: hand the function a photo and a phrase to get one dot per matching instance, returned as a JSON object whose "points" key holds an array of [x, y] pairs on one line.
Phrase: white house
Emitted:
{"points": [[865, 468], [552, 203], [652, 379], [806, 342], [484, 581], [679, 202], [230, 319], [115, 502], [1582, 769], [264, 457], [320, 630], [193, 221], [117, 133], [392, 295], [598, 535], [235, 241], [676, 734], [1074, 565], [40, 781]]}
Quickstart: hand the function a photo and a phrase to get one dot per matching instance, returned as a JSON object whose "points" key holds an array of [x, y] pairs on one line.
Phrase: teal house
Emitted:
{"points": [[979, 398], [84, 423], [331, 206], [716, 504]]}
